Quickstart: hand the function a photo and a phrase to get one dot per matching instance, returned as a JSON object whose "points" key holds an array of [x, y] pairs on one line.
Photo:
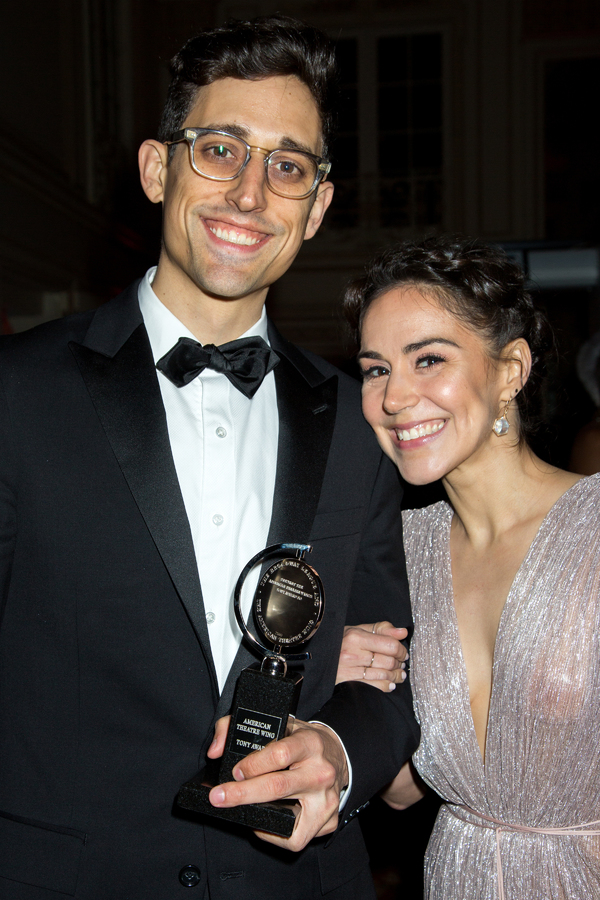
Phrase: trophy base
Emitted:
{"points": [[262, 705], [278, 817]]}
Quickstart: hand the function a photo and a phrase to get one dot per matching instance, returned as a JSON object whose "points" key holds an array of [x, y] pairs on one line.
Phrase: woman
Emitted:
{"points": [[505, 577]]}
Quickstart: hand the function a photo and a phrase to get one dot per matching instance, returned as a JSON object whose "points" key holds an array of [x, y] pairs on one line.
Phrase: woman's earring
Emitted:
{"points": [[501, 425]]}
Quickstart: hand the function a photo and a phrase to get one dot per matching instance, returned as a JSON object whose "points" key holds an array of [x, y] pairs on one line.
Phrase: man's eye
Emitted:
{"points": [[374, 372], [219, 150], [287, 168], [427, 362], [210, 148]]}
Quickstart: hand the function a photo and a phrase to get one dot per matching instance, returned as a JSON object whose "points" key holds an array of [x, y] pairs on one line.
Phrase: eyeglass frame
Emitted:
{"points": [[190, 135]]}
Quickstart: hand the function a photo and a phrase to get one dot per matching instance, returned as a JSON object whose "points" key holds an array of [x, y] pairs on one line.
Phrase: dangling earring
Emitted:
{"points": [[501, 425]]}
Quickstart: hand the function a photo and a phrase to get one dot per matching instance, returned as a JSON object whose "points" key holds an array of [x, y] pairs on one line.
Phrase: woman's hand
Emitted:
{"points": [[373, 653]]}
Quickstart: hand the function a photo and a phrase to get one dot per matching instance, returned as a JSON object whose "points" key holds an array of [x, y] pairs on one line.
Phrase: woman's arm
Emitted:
{"points": [[373, 653], [406, 788]]}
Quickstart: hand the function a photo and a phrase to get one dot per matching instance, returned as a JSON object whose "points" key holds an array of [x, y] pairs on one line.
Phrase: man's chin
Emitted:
{"points": [[231, 292]]}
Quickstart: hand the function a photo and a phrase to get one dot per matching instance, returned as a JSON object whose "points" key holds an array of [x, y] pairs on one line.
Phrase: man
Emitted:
{"points": [[134, 489]]}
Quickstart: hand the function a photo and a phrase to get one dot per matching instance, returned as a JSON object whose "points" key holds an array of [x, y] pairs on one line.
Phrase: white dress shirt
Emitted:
{"points": [[225, 451]]}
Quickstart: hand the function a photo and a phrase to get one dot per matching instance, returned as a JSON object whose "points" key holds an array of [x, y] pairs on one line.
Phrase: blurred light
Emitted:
{"points": [[575, 268]]}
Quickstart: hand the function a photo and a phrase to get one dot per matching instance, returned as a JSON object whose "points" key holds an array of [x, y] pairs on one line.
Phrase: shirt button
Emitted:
{"points": [[217, 519], [221, 432], [210, 617], [189, 876]]}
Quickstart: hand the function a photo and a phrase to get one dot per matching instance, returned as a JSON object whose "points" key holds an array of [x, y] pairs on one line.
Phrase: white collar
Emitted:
{"points": [[164, 329]]}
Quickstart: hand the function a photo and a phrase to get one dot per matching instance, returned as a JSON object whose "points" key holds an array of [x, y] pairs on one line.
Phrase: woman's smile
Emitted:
{"points": [[417, 432], [430, 387]]}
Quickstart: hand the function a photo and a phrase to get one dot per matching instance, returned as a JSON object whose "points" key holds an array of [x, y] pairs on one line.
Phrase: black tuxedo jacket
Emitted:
{"points": [[108, 691]]}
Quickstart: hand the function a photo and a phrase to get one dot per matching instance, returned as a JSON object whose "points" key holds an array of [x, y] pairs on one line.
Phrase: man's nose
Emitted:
{"points": [[249, 190]]}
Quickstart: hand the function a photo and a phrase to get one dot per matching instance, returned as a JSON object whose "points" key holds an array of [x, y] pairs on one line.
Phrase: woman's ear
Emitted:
{"points": [[153, 160], [516, 362]]}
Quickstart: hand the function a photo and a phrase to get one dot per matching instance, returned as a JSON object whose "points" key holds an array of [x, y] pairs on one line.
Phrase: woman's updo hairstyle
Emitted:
{"points": [[476, 282]]}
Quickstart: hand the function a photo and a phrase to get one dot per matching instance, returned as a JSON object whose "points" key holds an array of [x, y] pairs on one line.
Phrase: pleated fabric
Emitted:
{"points": [[542, 760]]}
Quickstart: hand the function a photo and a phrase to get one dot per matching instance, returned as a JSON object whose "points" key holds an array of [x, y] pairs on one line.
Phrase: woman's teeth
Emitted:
{"points": [[418, 431]]}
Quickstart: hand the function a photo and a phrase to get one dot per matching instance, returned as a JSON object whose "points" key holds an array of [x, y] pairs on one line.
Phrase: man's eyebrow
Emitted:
{"points": [[286, 143], [237, 130]]}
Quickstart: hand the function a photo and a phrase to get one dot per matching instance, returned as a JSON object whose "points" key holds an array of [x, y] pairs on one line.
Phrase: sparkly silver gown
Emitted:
{"points": [[542, 764]]}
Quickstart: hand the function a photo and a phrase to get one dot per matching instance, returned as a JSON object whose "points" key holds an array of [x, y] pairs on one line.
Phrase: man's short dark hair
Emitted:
{"points": [[259, 48]]}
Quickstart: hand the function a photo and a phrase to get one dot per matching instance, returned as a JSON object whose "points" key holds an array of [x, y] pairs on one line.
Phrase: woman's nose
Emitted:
{"points": [[399, 394]]}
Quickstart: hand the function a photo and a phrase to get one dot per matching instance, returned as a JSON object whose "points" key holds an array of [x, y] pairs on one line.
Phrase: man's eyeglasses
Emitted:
{"points": [[222, 157]]}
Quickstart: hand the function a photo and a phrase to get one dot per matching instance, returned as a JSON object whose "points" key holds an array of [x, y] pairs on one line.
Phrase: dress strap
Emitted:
{"points": [[499, 827]]}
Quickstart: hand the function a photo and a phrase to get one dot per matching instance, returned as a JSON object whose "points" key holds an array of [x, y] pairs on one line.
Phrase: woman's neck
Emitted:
{"points": [[505, 488]]}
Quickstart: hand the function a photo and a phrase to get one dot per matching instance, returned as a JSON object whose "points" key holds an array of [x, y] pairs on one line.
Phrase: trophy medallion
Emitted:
{"points": [[287, 609]]}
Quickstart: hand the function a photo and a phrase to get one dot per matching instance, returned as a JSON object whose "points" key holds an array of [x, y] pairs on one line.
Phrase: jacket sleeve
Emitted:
{"points": [[378, 729]]}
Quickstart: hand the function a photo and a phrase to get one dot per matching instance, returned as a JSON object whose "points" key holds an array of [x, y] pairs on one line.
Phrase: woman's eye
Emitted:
{"points": [[374, 372], [427, 362]]}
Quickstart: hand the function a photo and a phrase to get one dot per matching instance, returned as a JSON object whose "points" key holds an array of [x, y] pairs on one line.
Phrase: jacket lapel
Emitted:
{"points": [[116, 364], [307, 405]]}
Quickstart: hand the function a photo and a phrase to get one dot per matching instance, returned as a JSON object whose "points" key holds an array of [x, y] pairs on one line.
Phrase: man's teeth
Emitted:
{"points": [[418, 431], [234, 237]]}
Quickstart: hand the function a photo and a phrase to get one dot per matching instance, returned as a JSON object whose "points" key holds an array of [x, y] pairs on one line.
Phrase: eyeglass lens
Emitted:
{"points": [[288, 171]]}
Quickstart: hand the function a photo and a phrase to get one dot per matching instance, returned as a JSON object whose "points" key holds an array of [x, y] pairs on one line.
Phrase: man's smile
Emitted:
{"points": [[231, 233]]}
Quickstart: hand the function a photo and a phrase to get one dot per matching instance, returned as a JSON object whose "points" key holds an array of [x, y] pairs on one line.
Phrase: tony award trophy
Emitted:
{"points": [[287, 610]]}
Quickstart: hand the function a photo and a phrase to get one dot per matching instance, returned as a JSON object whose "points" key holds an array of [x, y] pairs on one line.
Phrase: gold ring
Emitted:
{"points": [[371, 663], [365, 672]]}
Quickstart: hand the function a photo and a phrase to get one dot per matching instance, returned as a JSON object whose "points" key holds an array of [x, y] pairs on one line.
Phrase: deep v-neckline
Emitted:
{"points": [[501, 623]]}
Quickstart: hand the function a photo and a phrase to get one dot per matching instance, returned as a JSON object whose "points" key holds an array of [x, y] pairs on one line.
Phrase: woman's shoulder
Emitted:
{"points": [[578, 502], [569, 536], [427, 515], [421, 525]]}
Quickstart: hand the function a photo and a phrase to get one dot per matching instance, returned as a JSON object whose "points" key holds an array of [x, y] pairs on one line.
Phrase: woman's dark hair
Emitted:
{"points": [[476, 282], [260, 48]]}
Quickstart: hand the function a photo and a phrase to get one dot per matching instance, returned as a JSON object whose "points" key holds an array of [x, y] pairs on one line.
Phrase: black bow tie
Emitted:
{"points": [[245, 362]]}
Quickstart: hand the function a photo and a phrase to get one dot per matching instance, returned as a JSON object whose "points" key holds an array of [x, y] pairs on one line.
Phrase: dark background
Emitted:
{"points": [[456, 115]]}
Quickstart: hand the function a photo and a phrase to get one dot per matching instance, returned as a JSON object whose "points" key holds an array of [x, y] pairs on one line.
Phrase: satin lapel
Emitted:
{"points": [[125, 392], [306, 421], [307, 405]]}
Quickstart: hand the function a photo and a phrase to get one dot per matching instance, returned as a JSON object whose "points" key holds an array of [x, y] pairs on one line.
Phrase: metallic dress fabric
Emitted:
{"points": [[542, 759]]}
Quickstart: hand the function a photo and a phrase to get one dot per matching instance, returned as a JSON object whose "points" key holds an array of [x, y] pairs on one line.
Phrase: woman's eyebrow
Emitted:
{"points": [[369, 354], [418, 345], [409, 348]]}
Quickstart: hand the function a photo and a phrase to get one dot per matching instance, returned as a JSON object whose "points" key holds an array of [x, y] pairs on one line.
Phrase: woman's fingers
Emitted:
{"points": [[373, 653], [362, 646], [384, 679]]}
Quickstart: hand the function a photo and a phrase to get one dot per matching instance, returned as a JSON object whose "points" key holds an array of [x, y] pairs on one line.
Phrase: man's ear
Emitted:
{"points": [[319, 208], [153, 158], [516, 358]]}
